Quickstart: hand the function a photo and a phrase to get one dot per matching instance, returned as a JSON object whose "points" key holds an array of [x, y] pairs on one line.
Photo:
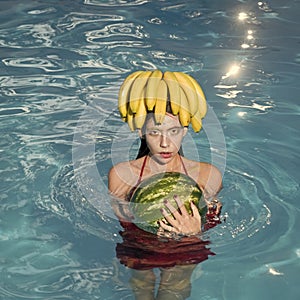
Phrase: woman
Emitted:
{"points": [[162, 127]]}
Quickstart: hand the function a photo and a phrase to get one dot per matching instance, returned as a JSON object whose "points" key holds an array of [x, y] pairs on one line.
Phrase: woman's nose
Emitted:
{"points": [[164, 141]]}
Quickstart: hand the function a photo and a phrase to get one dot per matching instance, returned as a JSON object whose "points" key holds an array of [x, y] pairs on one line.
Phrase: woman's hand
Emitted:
{"points": [[180, 221], [214, 207]]}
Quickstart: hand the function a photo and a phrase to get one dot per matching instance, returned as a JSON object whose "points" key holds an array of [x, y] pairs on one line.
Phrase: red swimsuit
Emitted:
{"points": [[131, 192]]}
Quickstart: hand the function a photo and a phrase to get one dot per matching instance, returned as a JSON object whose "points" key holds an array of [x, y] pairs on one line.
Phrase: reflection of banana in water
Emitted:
{"points": [[137, 90], [189, 90], [174, 91], [124, 93], [161, 102], [184, 112], [151, 89]]}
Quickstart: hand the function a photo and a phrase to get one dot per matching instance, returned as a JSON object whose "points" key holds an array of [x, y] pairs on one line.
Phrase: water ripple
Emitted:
{"points": [[47, 65], [68, 201], [113, 3], [61, 81], [119, 30], [72, 20], [254, 200], [29, 35], [13, 111]]}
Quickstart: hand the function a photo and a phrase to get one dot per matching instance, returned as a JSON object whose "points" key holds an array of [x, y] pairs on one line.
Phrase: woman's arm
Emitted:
{"points": [[210, 179], [118, 190]]}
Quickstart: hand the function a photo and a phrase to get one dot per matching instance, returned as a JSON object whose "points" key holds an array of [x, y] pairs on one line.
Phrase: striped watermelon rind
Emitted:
{"points": [[150, 194]]}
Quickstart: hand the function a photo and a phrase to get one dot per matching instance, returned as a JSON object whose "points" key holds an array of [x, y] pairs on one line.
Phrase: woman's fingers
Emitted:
{"points": [[172, 209], [195, 212], [180, 210], [178, 219], [181, 206], [165, 226], [167, 215]]}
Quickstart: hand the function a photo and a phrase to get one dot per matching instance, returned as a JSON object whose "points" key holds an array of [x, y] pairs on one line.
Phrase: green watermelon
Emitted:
{"points": [[150, 194]]}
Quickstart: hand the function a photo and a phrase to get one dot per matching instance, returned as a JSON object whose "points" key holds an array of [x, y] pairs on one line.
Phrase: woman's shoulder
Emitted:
{"points": [[200, 166], [121, 178], [119, 167], [208, 176], [126, 167], [209, 169], [125, 172]]}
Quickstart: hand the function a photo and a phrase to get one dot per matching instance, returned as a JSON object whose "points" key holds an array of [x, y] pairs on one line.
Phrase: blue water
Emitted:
{"points": [[61, 65]]}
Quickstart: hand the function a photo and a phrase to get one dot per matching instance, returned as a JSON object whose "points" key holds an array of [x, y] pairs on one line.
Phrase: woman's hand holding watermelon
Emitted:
{"points": [[178, 220]]}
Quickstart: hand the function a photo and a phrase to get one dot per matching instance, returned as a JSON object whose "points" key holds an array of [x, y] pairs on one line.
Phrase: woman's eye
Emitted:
{"points": [[174, 131], [154, 132]]}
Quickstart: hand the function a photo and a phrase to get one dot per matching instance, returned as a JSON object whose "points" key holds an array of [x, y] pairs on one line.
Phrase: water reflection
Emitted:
{"points": [[55, 62], [72, 20], [233, 70], [242, 16], [112, 3]]}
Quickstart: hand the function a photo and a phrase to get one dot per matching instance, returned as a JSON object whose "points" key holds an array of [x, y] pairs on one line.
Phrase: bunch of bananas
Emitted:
{"points": [[151, 91]]}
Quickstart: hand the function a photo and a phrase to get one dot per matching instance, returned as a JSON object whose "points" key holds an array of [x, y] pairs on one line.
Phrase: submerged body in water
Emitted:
{"points": [[176, 246]]}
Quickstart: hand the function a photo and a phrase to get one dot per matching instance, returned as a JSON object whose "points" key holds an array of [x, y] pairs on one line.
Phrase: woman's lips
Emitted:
{"points": [[165, 154]]}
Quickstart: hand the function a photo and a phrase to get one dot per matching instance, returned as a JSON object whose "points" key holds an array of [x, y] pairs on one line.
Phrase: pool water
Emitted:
{"points": [[62, 63]]}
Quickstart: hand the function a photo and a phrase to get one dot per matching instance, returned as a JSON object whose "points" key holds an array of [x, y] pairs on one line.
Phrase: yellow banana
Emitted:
{"points": [[174, 91], [161, 102], [201, 97], [130, 120], [196, 121], [188, 87], [124, 93], [141, 113], [151, 89], [184, 113], [136, 92]]}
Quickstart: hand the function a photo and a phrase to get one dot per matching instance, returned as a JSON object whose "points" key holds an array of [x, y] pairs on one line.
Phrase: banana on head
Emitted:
{"points": [[184, 111], [124, 91], [189, 90], [196, 121], [174, 91], [143, 92], [151, 88], [137, 90], [202, 106], [160, 108], [141, 113]]}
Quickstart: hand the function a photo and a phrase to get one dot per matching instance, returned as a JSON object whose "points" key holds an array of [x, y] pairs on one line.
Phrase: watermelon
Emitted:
{"points": [[150, 194]]}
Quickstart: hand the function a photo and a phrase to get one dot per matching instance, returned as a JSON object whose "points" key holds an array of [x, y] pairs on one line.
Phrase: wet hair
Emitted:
{"points": [[143, 150]]}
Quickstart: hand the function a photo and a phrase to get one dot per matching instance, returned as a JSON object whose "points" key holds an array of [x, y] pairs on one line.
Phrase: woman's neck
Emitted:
{"points": [[174, 165]]}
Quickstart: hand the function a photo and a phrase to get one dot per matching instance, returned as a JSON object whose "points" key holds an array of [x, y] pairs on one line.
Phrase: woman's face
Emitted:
{"points": [[164, 140]]}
